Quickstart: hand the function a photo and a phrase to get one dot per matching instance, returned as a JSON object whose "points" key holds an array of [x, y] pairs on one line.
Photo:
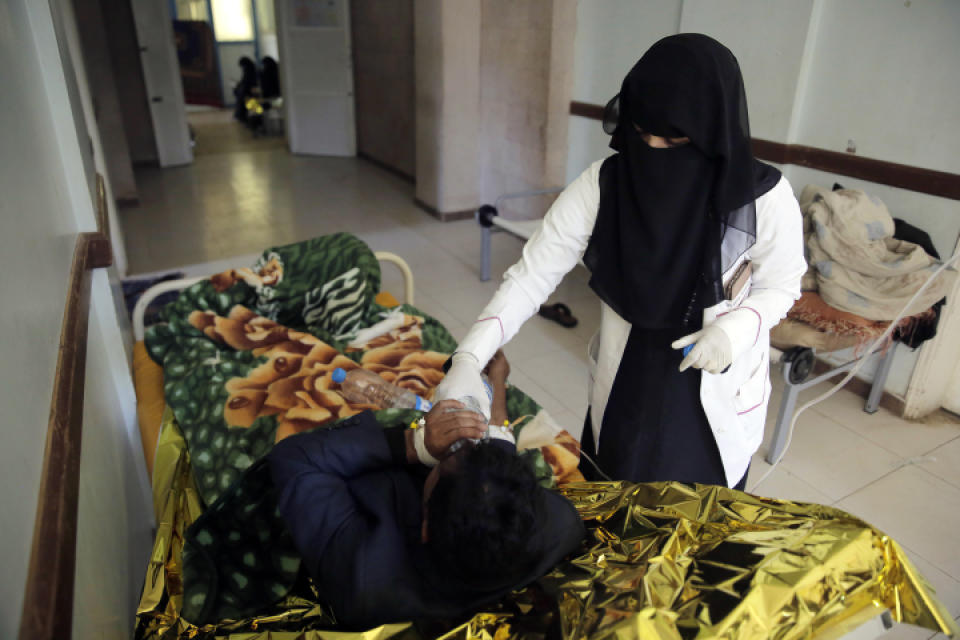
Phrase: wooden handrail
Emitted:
{"points": [[48, 597], [929, 181], [103, 214]]}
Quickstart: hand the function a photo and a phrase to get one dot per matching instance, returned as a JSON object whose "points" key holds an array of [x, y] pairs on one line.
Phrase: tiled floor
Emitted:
{"points": [[902, 477]]}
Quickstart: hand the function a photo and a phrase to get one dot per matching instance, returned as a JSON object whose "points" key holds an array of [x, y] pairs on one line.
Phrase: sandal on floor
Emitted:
{"points": [[559, 313]]}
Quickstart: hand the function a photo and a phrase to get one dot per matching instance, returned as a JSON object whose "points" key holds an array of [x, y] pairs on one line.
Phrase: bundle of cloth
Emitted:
{"points": [[862, 272]]}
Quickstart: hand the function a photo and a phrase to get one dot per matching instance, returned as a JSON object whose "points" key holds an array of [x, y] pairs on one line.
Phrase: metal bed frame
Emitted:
{"points": [[490, 221], [797, 362]]}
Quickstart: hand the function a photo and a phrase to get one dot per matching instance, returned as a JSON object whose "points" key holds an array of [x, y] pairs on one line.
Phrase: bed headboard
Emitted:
{"points": [[48, 597]]}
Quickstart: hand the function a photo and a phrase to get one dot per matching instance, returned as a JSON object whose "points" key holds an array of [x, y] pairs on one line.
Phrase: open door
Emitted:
{"points": [[317, 76], [161, 75]]}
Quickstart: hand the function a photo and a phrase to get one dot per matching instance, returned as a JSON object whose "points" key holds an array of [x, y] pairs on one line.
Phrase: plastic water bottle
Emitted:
{"points": [[471, 404], [366, 387]]}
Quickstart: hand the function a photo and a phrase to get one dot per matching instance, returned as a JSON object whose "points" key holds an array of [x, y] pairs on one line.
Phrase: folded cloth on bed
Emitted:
{"points": [[661, 561], [789, 333], [842, 329], [859, 265]]}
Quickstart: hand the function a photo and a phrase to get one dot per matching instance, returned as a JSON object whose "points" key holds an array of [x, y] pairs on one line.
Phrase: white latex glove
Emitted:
{"points": [[712, 350], [462, 380]]}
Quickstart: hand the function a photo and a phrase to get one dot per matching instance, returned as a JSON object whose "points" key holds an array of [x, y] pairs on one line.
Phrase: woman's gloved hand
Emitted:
{"points": [[462, 380], [711, 350], [717, 345]]}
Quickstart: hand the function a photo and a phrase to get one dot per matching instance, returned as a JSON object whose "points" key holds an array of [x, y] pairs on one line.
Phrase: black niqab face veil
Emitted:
{"points": [[672, 220]]}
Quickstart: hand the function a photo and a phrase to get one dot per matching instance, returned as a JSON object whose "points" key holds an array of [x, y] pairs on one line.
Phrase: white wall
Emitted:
{"points": [[46, 202], [768, 37], [884, 73], [610, 38], [817, 73], [83, 127], [267, 29]]}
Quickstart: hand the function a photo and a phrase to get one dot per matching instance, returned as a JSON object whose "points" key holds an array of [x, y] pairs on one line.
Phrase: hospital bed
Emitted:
{"points": [[797, 359], [48, 601]]}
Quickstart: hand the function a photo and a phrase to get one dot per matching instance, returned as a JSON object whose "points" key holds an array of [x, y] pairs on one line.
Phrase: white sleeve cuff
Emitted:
{"points": [[742, 325], [420, 447], [501, 432]]}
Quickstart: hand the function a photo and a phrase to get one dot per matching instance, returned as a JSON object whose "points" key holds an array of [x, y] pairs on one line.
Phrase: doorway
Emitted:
{"points": [[383, 68], [213, 36]]}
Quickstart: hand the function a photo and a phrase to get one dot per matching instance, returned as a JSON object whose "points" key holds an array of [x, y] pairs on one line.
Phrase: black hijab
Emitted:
{"points": [[656, 254], [269, 78], [249, 79]]}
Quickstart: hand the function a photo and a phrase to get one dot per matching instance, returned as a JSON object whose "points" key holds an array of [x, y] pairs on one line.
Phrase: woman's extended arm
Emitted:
{"points": [[548, 255]]}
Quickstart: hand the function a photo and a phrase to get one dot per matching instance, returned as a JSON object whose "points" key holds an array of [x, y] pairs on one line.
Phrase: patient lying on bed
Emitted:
{"points": [[388, 539]]}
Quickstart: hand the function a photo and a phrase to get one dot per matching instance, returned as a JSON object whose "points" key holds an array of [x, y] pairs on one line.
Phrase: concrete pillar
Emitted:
{"points": [[526, 62], [494, 81], [447, 64]]}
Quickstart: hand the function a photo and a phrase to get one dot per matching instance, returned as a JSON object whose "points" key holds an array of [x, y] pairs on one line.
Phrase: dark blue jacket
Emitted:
{"points": [[353, 505]]}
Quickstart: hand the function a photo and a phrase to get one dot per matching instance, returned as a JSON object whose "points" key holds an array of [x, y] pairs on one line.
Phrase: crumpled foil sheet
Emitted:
{"points": [[661, 561]]}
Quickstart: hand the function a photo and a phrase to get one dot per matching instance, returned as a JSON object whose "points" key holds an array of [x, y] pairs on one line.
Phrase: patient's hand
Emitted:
{"points": [[449, 421], [497, 371], [498, 368]]}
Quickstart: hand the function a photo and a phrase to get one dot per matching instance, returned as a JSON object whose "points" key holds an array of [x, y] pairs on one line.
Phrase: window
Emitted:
{"points": [[232, 20]]}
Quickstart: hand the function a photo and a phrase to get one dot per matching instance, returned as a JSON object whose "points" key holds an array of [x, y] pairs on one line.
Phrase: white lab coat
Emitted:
{"points": [[735, 402]]}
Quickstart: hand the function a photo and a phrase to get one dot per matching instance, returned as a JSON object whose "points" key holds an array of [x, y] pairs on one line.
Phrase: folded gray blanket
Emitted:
{"points": [[856, 263]]}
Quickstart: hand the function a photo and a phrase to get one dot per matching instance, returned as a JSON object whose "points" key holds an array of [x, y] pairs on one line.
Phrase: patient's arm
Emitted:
{"points": [[311, 472], [497, 371]]}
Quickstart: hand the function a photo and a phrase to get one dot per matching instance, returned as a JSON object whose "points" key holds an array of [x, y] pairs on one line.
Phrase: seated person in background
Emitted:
{"points": [[245, 88], [388, 539], [269, 78]]}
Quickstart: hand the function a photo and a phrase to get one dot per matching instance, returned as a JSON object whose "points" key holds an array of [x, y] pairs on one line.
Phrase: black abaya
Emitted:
{"points": [[661, 432], [655, 252]]}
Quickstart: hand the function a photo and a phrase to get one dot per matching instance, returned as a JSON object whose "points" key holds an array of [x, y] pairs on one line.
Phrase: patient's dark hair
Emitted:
{"points": [[482, 515]]}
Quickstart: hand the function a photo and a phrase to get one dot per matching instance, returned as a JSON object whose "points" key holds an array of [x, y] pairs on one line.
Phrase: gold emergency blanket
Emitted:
{"points": [[662, 561]]}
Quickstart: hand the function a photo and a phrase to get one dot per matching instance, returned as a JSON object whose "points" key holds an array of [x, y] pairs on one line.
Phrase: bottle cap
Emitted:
{"points": [[338, 375]]}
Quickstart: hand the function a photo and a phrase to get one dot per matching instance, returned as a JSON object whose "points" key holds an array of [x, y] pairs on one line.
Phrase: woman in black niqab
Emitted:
{"points": [[244, 88], [270, 78], [671, 221]]}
